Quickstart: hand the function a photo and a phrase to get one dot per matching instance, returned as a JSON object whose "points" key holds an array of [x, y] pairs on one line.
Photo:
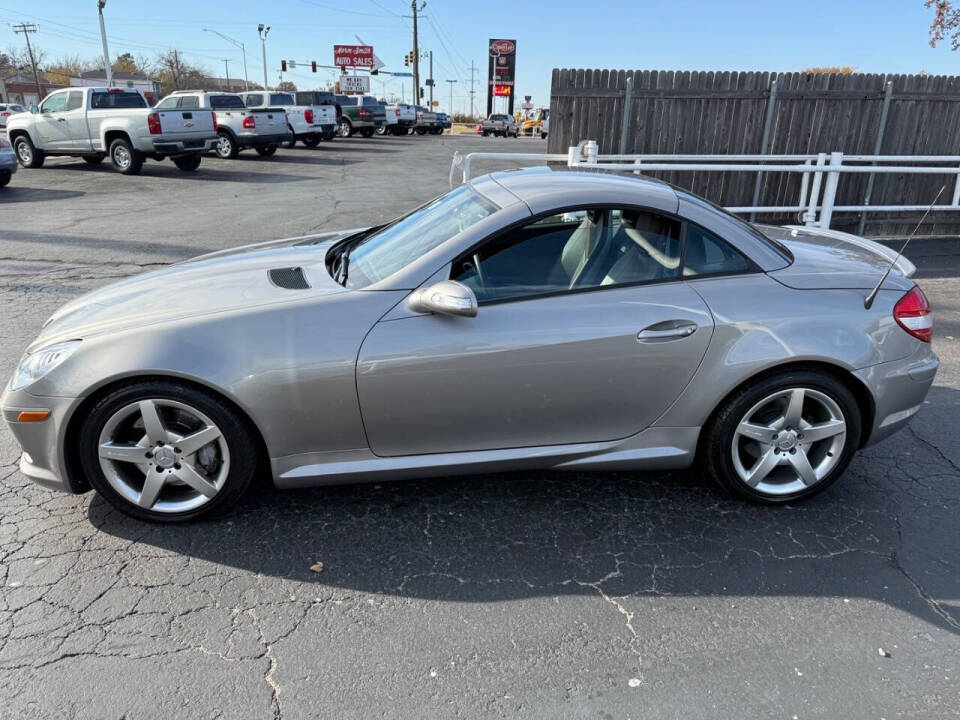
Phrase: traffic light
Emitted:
{"points": [[313, 65], [283, 66], [374, 72], [406, 59], [421, 93]]}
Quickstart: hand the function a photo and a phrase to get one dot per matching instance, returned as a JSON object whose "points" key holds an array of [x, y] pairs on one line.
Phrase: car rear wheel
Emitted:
{"points": [[266, 150], [164, 452], [125, 159], [311, 140], [94, 159], [783, 438], [226, 147], [27, 155], [382, 130], [188, 162], [5, 176], [346, 128], [367, 132]]}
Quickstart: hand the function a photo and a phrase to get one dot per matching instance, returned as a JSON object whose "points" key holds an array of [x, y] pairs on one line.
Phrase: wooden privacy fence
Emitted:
{"points": [[709, 113]]}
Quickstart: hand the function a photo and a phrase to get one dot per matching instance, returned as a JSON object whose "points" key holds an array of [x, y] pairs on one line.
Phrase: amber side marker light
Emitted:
{"points": [[29, 416]]}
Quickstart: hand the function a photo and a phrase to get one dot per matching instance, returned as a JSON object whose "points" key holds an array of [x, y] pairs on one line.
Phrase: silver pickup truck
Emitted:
{"points": [[238, 127], [94, 122]]}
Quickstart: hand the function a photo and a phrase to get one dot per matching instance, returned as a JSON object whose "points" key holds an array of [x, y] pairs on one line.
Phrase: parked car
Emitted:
{"points": [[93, 123], [7, 110], [8, 162], [443, 122], [426, 122], [534, 124], [307, 123], [238, 127], [362, 114], [401, 119], [618, 323], [321, 97], [498, 124]]}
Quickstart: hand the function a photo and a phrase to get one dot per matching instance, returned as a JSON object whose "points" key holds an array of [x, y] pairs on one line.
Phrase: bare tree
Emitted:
{"points": [[60, 71], [286, 86], [19, 58], [174, 73], [125, 63], [946, 21]]}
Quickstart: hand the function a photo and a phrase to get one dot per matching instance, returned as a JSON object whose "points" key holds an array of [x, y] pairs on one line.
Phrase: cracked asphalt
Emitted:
{"points": [[526, 595]]}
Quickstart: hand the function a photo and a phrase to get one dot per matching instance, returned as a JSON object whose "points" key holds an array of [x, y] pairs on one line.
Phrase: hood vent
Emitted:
{"points": [[289, 278]]}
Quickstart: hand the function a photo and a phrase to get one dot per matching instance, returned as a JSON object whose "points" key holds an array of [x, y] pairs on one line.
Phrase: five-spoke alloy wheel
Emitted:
{"points": [[784, 437], [159, 451]]}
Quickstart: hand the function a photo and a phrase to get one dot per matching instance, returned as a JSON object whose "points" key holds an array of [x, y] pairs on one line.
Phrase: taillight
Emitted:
{"points": [[308, 116], [396, 112], [249, 122], [6, 114], [912, 313], [363, 113], [215, 123], [153, 123]]}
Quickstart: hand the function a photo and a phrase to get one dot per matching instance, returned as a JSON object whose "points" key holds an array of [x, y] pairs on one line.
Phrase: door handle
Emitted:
{"points": [[667, 330], [61, 120]]}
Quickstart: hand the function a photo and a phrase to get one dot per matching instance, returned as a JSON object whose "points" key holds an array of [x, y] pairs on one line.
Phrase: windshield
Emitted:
{"points": [[375, 257]]}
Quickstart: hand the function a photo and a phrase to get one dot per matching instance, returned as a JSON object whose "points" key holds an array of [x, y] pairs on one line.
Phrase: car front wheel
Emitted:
{"points": [[165, 452], [226, 147], [27, 155], [783, 438], [266, 150], [187, 162]]}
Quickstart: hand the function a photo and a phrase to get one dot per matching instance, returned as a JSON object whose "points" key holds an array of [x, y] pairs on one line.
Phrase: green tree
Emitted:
{"points": [[125, 63]]}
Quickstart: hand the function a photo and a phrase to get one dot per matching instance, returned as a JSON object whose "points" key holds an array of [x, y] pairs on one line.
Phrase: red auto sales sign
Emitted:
{"points": [[353, 56]]}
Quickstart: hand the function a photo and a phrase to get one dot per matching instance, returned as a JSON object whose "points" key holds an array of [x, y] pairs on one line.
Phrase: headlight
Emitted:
{"points": [[35, 365]]}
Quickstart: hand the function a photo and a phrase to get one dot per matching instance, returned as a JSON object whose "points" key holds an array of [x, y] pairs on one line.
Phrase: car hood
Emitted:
{"points": [[227, 280], [824, 259]]}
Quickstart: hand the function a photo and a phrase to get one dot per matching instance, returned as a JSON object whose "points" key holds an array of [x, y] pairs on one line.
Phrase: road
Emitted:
{"points": [[526, 595]]}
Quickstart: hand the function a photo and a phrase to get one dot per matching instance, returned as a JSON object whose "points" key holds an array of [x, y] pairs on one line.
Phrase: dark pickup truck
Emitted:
{"points": [[361, 114]]}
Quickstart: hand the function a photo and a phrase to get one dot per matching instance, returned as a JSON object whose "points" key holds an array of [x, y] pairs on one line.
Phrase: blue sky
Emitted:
{"points": [[870, 35]]}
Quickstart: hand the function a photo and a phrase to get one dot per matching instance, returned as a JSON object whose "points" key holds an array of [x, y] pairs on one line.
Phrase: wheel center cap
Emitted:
{"points": [[164, 456], [787, 440]]}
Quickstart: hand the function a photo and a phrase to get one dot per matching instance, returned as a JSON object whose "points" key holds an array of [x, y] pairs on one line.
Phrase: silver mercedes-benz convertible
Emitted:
{"points": [[528, 319]]}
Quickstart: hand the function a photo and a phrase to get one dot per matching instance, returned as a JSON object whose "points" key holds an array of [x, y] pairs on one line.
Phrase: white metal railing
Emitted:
{"points": [[817, 196]]}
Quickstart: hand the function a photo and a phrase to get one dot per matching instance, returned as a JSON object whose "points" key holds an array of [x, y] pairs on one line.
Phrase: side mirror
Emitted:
{"points": [[448, 297], [34, 109]]}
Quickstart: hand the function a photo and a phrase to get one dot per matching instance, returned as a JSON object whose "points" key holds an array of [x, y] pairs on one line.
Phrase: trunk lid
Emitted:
{"points": [[269, 121], [185, 123], [827, 259]]}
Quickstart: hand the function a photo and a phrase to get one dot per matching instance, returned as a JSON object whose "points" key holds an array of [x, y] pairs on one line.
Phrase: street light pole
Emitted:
{"points": [[451, 97], [243, 50], [262, 30], [226, 67], [103, 36]]}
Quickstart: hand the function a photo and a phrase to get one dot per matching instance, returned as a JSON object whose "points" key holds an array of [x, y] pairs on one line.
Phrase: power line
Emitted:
{"points": [[26, 29]]}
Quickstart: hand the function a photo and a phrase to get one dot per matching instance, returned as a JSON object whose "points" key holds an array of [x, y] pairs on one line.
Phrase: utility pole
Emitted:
{"points": [[416, 52], [26, 29], [107, 67], [262, 31], [243, 50], [431, 79], [472, 92], [451, 97], [226, 67]]}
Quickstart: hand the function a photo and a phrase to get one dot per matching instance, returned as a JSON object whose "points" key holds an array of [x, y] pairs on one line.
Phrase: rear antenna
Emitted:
{"points": [[873, 293]]}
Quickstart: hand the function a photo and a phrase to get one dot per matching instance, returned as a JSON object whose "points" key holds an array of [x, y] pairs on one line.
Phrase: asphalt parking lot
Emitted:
{"points": [[535, 595]]}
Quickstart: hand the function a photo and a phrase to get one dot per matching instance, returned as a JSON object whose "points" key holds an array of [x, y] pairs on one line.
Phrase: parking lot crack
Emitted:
{"points": [[934, 604]]}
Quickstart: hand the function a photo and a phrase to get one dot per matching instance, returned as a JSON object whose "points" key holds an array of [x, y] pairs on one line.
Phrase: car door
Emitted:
{"points": [[582, 335], [52, 122], [74, 124]]}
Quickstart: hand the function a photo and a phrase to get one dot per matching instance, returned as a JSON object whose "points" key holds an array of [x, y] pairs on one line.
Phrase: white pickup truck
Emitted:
{"points": [[238, 127], [93, 123], [401, 119], [426, 122], [308, 123]]}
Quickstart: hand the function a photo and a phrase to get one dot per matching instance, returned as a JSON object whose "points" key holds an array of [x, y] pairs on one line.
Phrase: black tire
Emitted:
{"points": [[544, 135], [367, 132], [125, 159], [266, 150], [188, 162], [311, 140], [486, 133], [329, 135], [27, 155], [241, 441], [345, 128], [384, 130], [421, 131], [94, 159], [226, 147], [716, 447], [5, 176]]}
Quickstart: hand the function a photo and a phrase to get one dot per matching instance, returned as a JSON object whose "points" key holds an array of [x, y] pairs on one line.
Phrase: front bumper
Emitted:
{"points": [[899, 388], [42, 442], [8, 162]]}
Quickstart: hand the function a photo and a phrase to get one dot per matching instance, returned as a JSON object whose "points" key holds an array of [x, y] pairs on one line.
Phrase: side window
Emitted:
{"points": [[168, 103], [74, 100], [189, 102], [707, 254], [54, 103], [574, 250], [254, 100]]}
